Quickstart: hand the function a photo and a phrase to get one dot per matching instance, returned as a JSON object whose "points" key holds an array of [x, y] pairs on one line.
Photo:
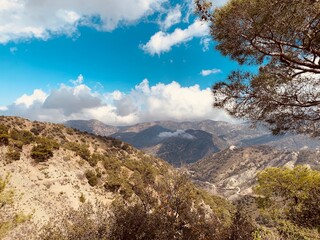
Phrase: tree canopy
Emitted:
{"points": [[283, 38], [292, 194]]}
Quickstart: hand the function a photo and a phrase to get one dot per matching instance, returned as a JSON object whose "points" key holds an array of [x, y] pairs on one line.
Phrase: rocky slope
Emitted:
{"points": [[233, 171], [51, 168], [47, 169]]}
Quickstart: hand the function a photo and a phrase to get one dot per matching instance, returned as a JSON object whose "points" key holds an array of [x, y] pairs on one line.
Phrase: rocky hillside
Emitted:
{"points": [[187, 142], [47, 169], [233, 171]]}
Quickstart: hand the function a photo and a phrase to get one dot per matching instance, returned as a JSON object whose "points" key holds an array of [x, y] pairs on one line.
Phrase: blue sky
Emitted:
{"points": [[121, 55]]}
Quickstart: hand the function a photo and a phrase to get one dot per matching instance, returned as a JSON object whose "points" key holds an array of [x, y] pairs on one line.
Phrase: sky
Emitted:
{"points": [[121, 62]]}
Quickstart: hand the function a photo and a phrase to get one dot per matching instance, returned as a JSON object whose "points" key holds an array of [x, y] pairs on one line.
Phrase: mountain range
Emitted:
{"points": [[182, 143]]}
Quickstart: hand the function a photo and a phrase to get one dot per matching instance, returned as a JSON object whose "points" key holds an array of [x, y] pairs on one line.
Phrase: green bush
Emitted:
{"points": [[41, 153], [37, 129], [92, 177], [3, 129], [80, 149], [4, 139], [13, 154], [95, 158], [291, 194], [111, 164], [23, 136], [113, 184], [49, 143]]}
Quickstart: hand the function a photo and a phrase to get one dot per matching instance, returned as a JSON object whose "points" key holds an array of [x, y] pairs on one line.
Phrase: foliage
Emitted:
{"points": [[95, 158], [7, 221], [145, 168], [23, 136], [291, 200], [80, 149], [41, 153], [285, 93], [92, 177], [87, 223], [175, 213], [111, 164], [4, 139], [5, 196], [13, 154], [43, 150], [3, 129], [37, 129], [49, 143]]}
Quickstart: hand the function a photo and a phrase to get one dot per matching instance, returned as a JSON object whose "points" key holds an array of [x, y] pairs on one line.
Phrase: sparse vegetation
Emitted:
{"points": [[80, 149], [13, 154], [41, 153], [92, 177]]}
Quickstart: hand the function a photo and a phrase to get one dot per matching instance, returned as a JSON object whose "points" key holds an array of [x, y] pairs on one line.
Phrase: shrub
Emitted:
{"points": [[291, 194], [95, 158], [37, 129], [49, 143], [80, 149], [88, 222], [92, 177], [111, 164], [4, 139], [41, 153], [113, 184], [23, 136], [13, 154], [82, 199]]}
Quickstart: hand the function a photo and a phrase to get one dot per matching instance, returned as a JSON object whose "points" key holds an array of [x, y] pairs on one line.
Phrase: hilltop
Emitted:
{"points": [[50, 169]]}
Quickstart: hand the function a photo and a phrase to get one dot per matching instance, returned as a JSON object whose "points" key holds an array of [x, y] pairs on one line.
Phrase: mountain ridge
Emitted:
{"points": [[223, 135]]}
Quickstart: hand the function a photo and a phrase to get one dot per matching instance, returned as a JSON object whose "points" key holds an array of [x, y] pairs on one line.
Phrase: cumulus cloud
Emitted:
{"points": [[24, 19], [143, 103], [209, 72], [173, 17], [72, 99], [29, 100], [163, 42], [178, 133]]}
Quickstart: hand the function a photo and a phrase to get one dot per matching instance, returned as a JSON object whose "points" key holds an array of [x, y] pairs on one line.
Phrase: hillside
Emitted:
{"points": [[50, 168], [233, 171], [187, 142]]}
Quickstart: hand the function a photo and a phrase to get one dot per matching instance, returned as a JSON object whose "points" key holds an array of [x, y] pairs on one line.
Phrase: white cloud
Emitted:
{"points": [[173, 17], [25, 19], [78, 81], [143, 103], [163, 42], [205, 43], [72, 99], [29, 100], [178, 133], [209, 72]]}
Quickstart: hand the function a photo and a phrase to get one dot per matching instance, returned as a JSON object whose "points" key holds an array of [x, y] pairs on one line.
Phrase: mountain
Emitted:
{"points": [[176, 147], [53, 177], [233, 171], [92, 126], [203, 138]]}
